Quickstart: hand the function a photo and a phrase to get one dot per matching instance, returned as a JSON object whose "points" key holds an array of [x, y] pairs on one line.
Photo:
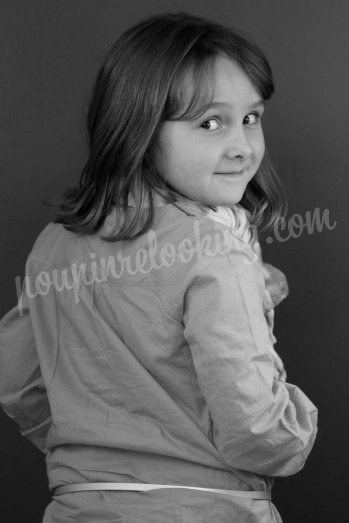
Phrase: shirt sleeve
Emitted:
{"points": [[260, 424], [22, 390]]}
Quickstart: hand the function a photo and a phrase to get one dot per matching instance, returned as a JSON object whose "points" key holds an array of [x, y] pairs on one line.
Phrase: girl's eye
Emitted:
{"points": [[210, 125], [252, 119]]}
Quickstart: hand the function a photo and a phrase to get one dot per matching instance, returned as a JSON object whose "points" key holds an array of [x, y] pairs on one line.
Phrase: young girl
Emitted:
{"points": [[140, 356]]}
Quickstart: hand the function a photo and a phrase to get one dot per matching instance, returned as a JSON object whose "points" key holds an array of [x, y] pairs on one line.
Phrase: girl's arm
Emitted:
{"points": [[22, 391], [260, 424]]}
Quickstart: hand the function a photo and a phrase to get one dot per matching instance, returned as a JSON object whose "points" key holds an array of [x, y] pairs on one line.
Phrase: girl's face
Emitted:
{"points": [[211, 159]]}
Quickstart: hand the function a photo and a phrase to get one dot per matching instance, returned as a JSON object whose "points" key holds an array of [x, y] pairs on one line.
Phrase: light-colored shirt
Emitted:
{"points": [[149, 360]]}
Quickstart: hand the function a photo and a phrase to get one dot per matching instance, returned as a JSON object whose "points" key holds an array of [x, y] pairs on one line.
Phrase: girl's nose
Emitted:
{"points": [[238, 145]]}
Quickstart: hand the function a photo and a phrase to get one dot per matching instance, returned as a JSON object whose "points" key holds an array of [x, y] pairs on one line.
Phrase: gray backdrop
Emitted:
{"points": [[50, 53]]}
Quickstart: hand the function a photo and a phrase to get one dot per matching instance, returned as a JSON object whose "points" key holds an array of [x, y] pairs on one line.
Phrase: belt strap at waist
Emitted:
{"points": [[144, 487]]}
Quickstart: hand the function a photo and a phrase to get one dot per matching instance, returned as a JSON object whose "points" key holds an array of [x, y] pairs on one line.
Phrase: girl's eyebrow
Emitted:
{"points": [[258, 103]]}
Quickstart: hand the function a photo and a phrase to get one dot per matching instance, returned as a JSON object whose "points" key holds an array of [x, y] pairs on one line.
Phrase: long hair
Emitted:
{"points": [[137, 88]]}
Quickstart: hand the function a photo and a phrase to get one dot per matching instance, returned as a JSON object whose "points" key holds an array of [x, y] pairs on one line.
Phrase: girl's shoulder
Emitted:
{"points": [[46, 240], [205, 237], [232, 223], [54, 245], [177, 227]]}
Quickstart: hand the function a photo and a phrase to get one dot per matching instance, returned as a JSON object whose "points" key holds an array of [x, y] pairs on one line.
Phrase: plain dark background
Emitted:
{"points": [[50, 54]]}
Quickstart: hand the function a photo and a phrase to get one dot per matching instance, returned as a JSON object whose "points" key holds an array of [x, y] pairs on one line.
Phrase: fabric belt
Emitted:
{"points": [[144, 487]]}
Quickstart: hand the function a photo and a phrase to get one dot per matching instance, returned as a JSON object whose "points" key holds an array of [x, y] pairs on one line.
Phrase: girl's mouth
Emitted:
{"points": [[232, 173]]}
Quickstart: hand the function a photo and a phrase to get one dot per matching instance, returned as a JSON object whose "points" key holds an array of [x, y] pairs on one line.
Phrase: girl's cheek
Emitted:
{"points": [[259, 147]]}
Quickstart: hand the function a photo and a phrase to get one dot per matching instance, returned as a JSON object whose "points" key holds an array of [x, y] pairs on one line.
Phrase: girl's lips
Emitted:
{"points": [[233, 172]]}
